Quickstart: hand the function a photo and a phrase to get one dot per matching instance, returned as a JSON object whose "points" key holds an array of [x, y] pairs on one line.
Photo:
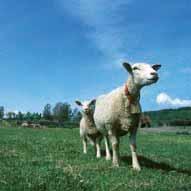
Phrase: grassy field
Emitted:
{"points": [[52, 159]]}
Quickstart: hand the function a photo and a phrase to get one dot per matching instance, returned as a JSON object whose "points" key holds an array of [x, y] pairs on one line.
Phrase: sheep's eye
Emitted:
{"points": [[135, 68]]}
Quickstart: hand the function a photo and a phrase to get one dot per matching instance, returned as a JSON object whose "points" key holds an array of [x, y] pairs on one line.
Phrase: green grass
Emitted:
{"points": [[52, 159]]}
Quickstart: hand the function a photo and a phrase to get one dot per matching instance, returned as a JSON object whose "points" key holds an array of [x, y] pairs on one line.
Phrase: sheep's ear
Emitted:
{"points": [[78, 103], [128, 67], [92, 102], [156, 66]]}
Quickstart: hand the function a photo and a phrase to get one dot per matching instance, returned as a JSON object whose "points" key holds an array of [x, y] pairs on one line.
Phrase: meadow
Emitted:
{"points": [[52, 160]]}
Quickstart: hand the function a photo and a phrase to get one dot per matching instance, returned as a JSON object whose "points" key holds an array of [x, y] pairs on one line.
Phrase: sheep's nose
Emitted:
{"points": [[153, 73]]}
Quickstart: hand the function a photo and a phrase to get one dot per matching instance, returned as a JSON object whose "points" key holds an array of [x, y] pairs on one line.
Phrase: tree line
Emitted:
{"points": [[171, 117], [62, 114], [58, 114]]}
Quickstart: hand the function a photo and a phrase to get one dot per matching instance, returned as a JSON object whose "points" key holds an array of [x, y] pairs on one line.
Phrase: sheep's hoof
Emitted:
{"points": [[115, 164], [108, 157], [98, 156], [137, 168]]}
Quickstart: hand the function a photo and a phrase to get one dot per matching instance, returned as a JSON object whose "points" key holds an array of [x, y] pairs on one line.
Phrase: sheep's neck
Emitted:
{"points": [[133, 89], [89, 120]]}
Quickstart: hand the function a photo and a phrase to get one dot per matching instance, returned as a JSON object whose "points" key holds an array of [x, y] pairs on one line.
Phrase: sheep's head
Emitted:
{"points": [[143, 74], [86, 106]]}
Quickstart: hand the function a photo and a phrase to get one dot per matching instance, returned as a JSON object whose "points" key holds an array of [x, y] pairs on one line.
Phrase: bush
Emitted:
{"points": [[180, 123]]}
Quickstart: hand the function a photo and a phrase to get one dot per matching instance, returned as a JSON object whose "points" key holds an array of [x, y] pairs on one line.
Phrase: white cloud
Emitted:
{"points": [[165, 99], [106, 24]]}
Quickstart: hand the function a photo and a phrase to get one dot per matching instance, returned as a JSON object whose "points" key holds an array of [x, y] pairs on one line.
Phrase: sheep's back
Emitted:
{"points": [[109, 107]]}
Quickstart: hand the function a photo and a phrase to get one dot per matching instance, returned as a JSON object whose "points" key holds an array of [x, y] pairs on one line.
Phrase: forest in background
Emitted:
{"points": [[63, 115], [170, 117]]}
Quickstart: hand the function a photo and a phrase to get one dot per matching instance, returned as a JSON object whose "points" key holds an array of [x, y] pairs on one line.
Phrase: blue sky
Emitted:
{"points": [[58, 50]]}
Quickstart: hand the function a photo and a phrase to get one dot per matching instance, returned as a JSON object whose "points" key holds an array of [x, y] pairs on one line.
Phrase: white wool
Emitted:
{"points": [[114, 109], [88, 131], [87, 124], [116, 114]]}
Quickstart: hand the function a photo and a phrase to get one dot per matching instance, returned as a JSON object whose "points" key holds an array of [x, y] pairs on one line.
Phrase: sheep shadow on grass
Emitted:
{"points": [[148, 163]]}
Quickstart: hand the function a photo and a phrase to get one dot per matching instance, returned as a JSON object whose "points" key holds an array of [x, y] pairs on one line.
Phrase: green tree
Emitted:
{"points": [[28, 116], [62, 112], [47, 114], [2, 112], [11, 115], [76, 115], [37, 116], [20, 116]]}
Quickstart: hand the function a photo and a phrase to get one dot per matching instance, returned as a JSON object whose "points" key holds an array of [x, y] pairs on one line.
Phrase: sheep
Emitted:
{"points": [[118, 112], [88, 130]]}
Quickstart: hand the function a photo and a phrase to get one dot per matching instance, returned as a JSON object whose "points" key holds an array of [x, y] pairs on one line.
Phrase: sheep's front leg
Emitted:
{"points": [[135, 161], [84, 140], [98, 150], [115, 148], [108, 154]]}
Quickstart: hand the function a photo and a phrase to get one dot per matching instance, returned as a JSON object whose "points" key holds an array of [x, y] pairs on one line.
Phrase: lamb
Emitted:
{"points": [[118, 112], [88, 131]]}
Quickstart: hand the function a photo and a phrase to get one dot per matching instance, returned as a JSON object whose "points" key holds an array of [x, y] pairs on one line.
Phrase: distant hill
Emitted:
{"points": [[175, 117]]}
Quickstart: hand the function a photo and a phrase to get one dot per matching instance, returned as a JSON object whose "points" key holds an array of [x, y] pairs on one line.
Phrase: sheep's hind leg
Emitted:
{"points": [[84, 140], [135, 161], [108, 154], [115, 147], [98, 149]]}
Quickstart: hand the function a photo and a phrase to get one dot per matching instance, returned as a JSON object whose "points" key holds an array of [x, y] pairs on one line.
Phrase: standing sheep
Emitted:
{"points": [[88, 131], [118, 112]]}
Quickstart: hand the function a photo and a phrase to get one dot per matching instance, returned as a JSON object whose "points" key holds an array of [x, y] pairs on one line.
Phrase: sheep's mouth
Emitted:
{"points": [[87, 112], [153, 79]]}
